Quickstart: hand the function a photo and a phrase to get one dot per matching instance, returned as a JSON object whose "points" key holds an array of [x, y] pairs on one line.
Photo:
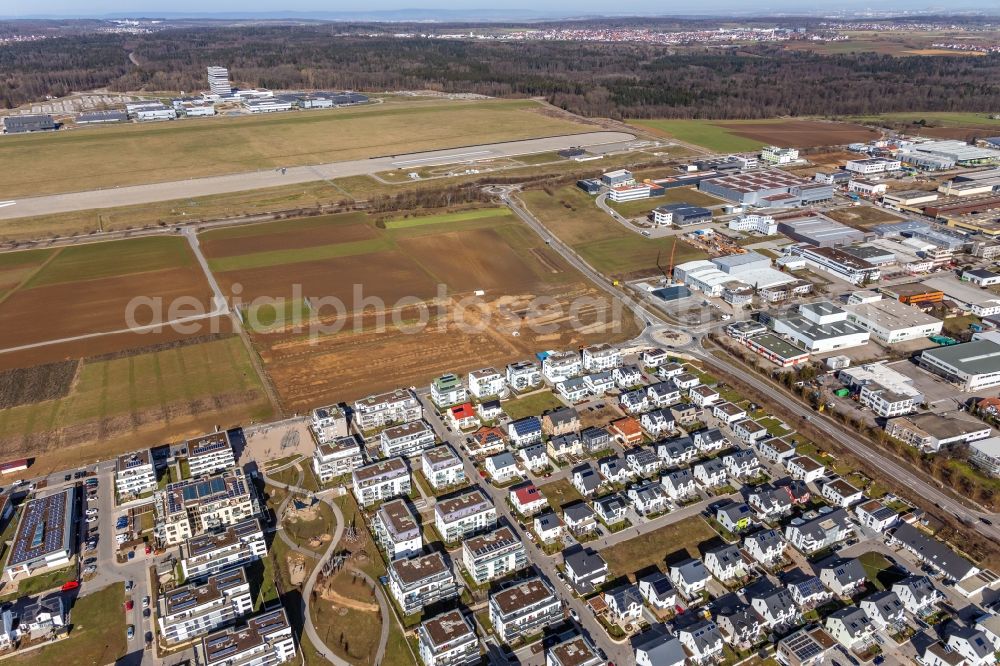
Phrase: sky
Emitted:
{"points": [[174, 8]]}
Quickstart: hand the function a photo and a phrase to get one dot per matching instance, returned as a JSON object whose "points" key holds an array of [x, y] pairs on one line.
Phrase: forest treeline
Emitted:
{"points": [[592, 79]]}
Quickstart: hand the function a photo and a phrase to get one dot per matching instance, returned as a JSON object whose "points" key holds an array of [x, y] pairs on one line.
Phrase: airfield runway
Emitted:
{"points": [[239, 182]]}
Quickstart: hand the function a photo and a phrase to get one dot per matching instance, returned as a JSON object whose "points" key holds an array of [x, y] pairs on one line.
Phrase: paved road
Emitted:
{"points": [[199, 187]]}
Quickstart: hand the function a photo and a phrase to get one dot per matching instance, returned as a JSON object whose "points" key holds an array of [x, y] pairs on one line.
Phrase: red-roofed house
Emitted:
{"points": [[628, 430], [527, 499], [463, 416], [487, 441]]}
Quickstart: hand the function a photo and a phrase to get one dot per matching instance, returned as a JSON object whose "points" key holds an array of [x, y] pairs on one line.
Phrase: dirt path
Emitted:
{"points": [[341, 600]]}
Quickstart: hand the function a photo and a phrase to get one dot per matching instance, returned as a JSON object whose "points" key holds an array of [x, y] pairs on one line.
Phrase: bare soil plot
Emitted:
{"points": [[802, 133], [862, 217], [295, 234]]}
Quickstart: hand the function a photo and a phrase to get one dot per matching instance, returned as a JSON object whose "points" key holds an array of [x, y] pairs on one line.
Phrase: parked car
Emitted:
{"points": [[129, 604], [92, 519], [67, 477], [89, 570], [145, 602], [129, 584], [131, 632]]}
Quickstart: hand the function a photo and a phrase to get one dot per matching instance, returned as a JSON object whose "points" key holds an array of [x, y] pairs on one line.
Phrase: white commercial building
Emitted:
{"points": [[44, 537], [821, 327], [873, 165], [620, 193], [971, 366], [761, 224], [775, 155], [218, 80], [890, 321]]}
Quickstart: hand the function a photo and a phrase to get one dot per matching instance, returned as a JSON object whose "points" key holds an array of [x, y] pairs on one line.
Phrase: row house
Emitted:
{"points": [[525, 432], [486, 383], [563, 447], [523, 376], [766, 547], [972, 644], [726, 564], [749, 431], [657, 422], [740, 625], [851, 627], [535, 457], [527, 500], [380, 481], [808, 592], [710, 473], [493, 555], [663, 394], [337, 457], [702, 397], [628, 376], [560, 365], [524, 609], [649, 498], [919, 595], [770, 503], [574, 389], [397, 530], [382, 409], [597, 358], [599, 383], [406, 439], [448, 390], [684, 413], [679, 484], [634, 401], [447, 640], [885, 609], [421, 581], [463, 515], [442, 467], [775, 607], [742, 464]]}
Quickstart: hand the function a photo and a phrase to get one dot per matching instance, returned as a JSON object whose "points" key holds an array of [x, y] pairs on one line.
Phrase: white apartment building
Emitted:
{"points": [[234, 546], [775, 156], [329, 423], [266, 639], [524, 609], [336, 458], [493, 555], [383, 409], [448, 640], [406, 439], [194, 506], [442, 467], [448, 390], [523, 375], [873, 165], [421, 581], [380, 481], [463, 515], [599, 358], [561, 365], [884, 402], [134, 473], [397, 530], [486, 383], [761, 224], [209, 454], [190, 611]]}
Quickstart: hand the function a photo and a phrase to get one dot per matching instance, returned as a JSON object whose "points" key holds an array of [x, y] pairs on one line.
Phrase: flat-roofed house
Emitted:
{"points": [[406, 439], [376, 411], [337, 457], [193, 610], [380, 481], [397, 530], [420, 581], [442, 467], [464, 515], [448, 640], [574, 651], [194, 506], [210, 453], [486, 383], [44, 535], [134, 473], [266, 638], [524, 609], [493, 555]]}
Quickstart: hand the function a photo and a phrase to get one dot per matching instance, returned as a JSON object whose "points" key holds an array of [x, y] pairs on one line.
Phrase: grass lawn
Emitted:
{"points": [[702, 133], [955, 325], [775, 427], [97, 635], [301, 531], [560, 493], [42, 583], [123, 257], [532, 405], [688, 195], [297, 255], [653, 548], [477, 214], [151, 152]]}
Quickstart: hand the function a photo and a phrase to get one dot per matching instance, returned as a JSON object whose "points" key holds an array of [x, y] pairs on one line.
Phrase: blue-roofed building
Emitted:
{"points": [[44, 536]]}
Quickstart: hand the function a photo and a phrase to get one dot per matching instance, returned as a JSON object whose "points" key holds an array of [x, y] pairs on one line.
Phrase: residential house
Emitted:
{"points": [[627, 431], [885, 610], [643, 461], [523, 375], [211, 453], [844, 577], [524, 609], [549, 527], [560, 365], [740, 625], [627, 376], [703, 641], [709, 440], [810, 536], [615, 470], [595, 439], [766, 547], [663, 394], [851, 627], [574, 651], [611, 508], [486, 383], [463, 417], [657, 422], [624, 604], [776, 450], [726, 564], [649, 498], [807, 591], [489, 410], [805, 468], [597, 358], [447, 640], [329, 423], [397, 530], [735, 516], [933, 553], [658, 647], [918, 594], [710, 473], [463, 515], [493, 555], [574, 389], [689, 577], [806, 647], [599, 383], [336, 457], [676, 452], [971, 643], [775, 607], [266, 638], [585, 480], [376, 411], [380, 481], [187, 612], [488, 441], [442, 467], [749, 431], [585, 568], [223, 549], [534, 457], [840, 493], [684, 413], [420, 581], [502, 468], [679, 484], [939, 654], [580, 519], [686, 380], [654, 358], [742, 464], [658, 591], [527, 500], [728, 413], [525, 432], [702, 396], [769, 502], [875, 515], [448, 390], [563, 447], [635, 401]]}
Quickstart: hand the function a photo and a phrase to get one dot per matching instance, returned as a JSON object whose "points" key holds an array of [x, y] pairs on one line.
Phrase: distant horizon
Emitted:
{"points": [[478, 10]]}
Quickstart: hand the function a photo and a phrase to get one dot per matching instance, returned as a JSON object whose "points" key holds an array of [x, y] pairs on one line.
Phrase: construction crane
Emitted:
{"points": [[669, 274]]}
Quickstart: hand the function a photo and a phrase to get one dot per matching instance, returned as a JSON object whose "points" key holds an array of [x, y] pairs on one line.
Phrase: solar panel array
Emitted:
{"points": [[185, 492], [132, 461], [41, 529]]}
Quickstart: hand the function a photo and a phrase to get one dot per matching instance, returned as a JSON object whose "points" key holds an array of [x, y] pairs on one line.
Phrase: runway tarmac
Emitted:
{"points": [[239, 182]]}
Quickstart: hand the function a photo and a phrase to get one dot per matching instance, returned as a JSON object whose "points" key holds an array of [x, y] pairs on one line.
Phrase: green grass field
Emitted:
{"points": [[531, 405], [942, 118], [687, 195], [100, 260], [702, 133], [131, 154], [652, 548], [464, 216], [291, 256]]}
